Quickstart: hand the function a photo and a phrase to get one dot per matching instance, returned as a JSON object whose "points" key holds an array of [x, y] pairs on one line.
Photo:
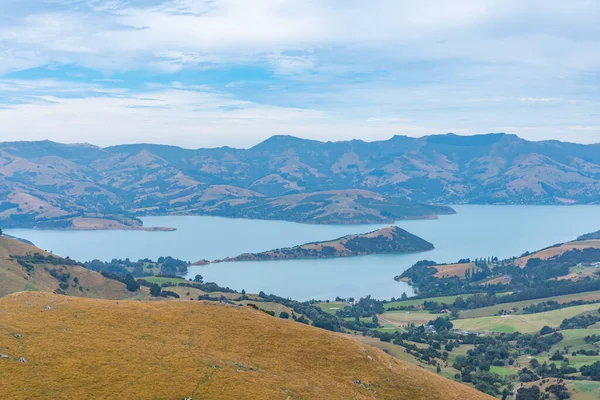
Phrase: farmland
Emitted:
{"points": [[522, 323], [494, 310]]}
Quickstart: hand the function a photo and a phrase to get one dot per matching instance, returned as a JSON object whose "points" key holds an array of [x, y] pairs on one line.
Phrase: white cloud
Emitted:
{"points": [[191, 32], [335, 68]]}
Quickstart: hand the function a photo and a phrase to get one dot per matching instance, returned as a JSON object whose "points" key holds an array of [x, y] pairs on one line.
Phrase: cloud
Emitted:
{"points": [[327, 68], [177, 33]]}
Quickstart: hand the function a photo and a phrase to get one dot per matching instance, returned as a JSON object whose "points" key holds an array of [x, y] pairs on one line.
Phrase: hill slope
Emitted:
{"points": [[24, 267], [52, 184], [387, 240], [82, 348]]}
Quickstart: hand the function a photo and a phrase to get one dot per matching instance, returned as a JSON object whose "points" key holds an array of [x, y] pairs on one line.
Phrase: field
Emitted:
{"points": [[419, 302], [573, 341], [331, 307], [502, 371], [584, 390], [444, 271], [493, 310], [159, 280], [579, 390], [522, 323], [84, 348], [403, 318]]}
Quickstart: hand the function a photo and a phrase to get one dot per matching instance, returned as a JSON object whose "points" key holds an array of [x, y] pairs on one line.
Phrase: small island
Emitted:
{"points": [[382, 241]]}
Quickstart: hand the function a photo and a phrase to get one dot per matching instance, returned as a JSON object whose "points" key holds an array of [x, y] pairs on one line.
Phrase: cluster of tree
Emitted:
{"points": [[319, 318], [585, 352], [592, 338], [580, 321], [552, 305], [38, 258], [363, 308], [131, 284], [163, 266], [591, 371], [209, 287], [535, 280]]}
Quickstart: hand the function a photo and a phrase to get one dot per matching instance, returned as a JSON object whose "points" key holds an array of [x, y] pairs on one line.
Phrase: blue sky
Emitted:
{"points": [[204, 73]]}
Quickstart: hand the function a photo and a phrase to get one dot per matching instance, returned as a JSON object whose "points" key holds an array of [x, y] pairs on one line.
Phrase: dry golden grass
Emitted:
{"points": [[101, 349], [14, 278], [452, 270], [556, 251]]}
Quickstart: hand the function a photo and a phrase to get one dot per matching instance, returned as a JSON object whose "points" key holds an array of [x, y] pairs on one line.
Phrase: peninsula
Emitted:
{"points": [[387, 240]]}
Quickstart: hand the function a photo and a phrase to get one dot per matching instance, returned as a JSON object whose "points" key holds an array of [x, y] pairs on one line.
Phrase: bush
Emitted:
{"points": [[154, 290]]}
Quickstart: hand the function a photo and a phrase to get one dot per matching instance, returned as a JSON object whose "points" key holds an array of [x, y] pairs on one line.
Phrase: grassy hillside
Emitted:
{"points": [[21, 271], [83, 348], [555, 251]]}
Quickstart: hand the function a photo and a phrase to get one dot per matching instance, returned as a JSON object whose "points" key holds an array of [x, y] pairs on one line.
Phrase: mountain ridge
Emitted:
{"points": [[48, 184]]}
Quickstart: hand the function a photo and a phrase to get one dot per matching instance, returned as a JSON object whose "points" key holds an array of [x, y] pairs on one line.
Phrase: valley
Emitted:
{"points": [[497, 338]]}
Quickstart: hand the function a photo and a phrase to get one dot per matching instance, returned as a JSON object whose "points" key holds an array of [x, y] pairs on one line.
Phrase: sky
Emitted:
{"points": [[206, 73]]}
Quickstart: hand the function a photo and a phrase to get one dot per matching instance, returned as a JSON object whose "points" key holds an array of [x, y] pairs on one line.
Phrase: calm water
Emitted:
{"points": [[476, 231]]}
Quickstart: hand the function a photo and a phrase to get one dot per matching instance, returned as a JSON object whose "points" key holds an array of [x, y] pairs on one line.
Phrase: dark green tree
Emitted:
{"points": [[130, 283], [154, 290], [284, 315]]}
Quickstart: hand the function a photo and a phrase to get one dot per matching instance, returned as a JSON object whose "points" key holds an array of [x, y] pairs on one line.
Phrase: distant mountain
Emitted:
{"points": [[50, 184], [382, 241]]}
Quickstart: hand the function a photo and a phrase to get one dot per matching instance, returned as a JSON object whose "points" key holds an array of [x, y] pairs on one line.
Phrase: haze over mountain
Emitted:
{"points": [[288, 178]]}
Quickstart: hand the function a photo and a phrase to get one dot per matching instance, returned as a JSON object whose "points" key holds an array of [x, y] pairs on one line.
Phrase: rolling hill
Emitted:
{"points": [[24, 267], [47, 184], [83, 348], [382, 241]]}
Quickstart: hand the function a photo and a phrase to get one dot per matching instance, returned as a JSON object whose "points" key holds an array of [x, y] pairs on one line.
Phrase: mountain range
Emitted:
{"points": [[47, 184]]}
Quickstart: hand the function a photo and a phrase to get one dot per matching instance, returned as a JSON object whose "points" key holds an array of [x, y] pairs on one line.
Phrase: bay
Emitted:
{"points": [[475, 231]]}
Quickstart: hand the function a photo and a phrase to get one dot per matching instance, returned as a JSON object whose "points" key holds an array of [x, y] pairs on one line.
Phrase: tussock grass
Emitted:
{"points": [[102, 349]]}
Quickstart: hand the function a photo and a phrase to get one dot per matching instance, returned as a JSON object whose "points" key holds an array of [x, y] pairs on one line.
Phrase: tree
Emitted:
{"points": [[0, 231], [284, 315], [131, 284], [532, 393], [198, 279], [154, 290], [404, 296], [438, 369]]}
